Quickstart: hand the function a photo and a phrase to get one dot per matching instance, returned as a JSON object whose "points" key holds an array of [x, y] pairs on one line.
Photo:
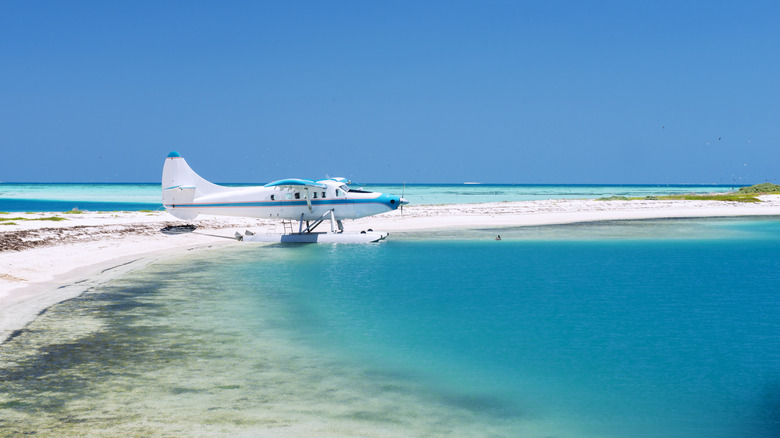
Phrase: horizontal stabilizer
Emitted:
{"points": [[182, 186]]}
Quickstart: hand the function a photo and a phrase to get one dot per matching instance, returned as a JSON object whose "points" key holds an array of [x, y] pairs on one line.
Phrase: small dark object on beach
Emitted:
{"points": [[178, 229]]}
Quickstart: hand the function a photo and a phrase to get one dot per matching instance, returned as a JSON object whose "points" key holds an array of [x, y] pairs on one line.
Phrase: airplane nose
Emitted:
{"points": [[403, 201]]}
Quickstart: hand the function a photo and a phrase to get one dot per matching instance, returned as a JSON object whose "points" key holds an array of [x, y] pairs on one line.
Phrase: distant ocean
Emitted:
{"points": [[19, 197], [642, 329]]}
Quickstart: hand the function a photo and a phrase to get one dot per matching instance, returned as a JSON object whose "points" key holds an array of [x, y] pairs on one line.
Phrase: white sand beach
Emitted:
{"points": [[43, 262]]}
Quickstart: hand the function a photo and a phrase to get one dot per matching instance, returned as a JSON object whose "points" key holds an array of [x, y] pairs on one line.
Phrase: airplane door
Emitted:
{"points": [[344, 208]]}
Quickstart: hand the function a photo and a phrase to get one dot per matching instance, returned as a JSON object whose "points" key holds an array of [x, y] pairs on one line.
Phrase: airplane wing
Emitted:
{"points": [[295, 183]]}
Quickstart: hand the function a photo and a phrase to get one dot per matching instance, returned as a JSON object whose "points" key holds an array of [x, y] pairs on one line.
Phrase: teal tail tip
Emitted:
{"points": [[174, 154]]}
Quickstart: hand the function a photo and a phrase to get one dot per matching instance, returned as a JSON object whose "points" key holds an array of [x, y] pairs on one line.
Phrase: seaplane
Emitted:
{"points": [[185, 195]]}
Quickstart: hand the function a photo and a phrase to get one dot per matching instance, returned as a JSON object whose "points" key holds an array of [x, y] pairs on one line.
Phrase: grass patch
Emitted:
{"points": [[5, 220], [616, 198], [7, 223], [50, 218], [146, 211], [744, 194], [73, 212], [763, 188], [728, 197]]}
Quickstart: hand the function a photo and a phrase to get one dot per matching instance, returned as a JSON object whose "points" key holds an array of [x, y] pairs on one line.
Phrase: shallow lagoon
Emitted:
{"points": [[640, 328]]}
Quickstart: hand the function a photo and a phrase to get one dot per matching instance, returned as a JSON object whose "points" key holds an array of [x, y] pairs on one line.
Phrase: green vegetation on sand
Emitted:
{"points": [[745, 194], [616, 198], [729, 197], [51, 218], [763, 188]]}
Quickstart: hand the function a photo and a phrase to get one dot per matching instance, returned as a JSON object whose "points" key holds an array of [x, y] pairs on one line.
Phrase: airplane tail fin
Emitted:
{"points": [[181, 186]]}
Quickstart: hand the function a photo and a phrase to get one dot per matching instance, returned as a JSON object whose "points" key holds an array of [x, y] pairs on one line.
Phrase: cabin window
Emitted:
{"points": [[297, 195], [315, 195], [289, 196], [323, 195], [273, 197]]}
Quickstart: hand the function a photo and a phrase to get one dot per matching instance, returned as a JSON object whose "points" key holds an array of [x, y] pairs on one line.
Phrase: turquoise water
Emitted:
{"points": [[18, 197], [132, 197], [613, 329]]}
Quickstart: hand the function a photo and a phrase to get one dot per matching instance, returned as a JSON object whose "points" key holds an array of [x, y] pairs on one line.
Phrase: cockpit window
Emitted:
{"points": [[346, 189]]}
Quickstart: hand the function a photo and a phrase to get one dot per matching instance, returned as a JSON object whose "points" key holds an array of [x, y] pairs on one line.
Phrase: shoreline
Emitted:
{"points": [[44, 262]]}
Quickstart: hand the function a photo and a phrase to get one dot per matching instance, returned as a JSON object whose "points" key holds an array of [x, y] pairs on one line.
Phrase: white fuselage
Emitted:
{"points": [[186, 195], [286, 203]]}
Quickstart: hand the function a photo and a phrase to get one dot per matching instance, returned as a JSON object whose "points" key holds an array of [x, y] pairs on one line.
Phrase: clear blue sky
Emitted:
{"points": [[435, 91]]}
